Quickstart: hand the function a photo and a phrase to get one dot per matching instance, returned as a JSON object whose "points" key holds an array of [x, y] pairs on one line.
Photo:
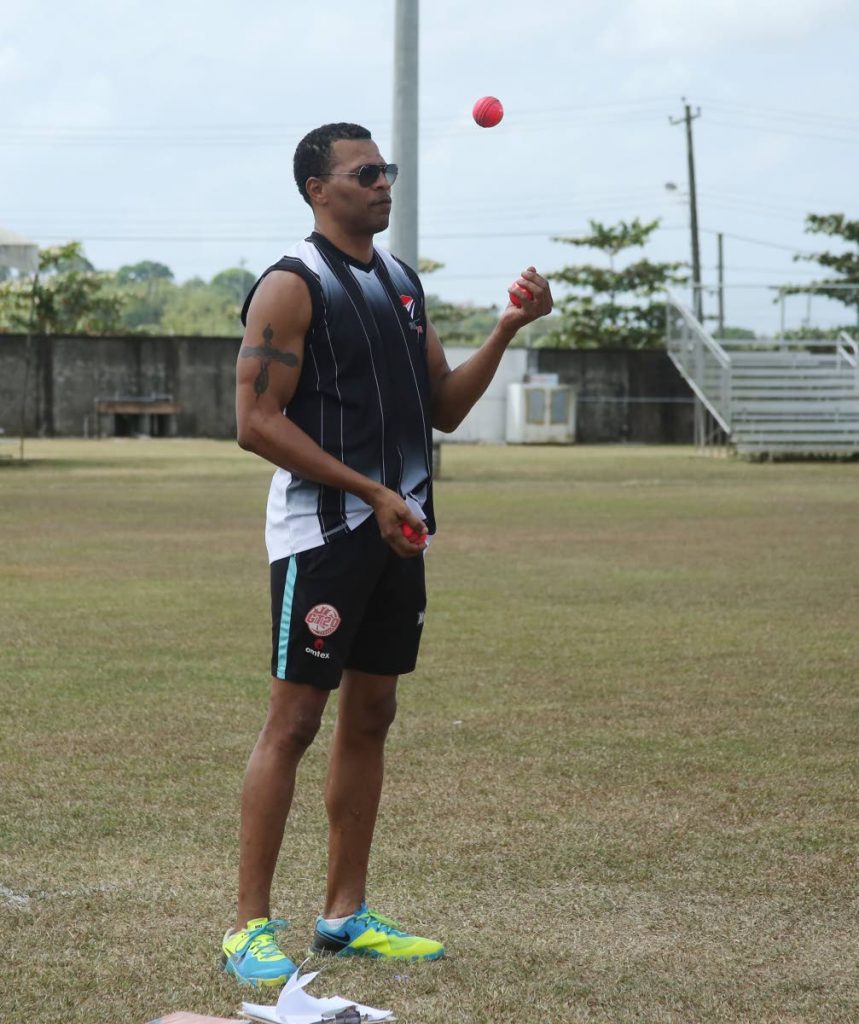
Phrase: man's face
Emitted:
{"points": [[354, 207]]}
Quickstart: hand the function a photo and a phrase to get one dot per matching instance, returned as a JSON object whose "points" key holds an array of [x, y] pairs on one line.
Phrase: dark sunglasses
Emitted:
{"points": [[368, 174]]}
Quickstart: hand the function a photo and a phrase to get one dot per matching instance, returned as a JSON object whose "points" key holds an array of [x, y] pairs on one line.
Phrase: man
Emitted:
{"points": [[340, 380]]}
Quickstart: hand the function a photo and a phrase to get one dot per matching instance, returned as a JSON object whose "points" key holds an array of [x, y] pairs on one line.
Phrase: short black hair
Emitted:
{"points": [[313, 154]]}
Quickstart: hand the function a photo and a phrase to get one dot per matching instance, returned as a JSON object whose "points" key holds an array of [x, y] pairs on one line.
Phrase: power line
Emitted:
{"points": [[769, 129], [785, 114]]}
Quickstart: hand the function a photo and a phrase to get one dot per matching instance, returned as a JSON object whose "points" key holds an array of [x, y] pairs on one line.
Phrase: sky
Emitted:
{"points": [[165, 130]]}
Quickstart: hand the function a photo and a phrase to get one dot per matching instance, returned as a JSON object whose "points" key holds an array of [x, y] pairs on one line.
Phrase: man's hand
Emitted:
{"points": [[391, 512], [535, 296]]}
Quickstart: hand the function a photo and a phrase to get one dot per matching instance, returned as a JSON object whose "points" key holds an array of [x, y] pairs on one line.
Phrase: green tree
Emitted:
{"points": [[145, 289], [71, 297], [234, 284], [195, 307], [737, 334], [460, 323], [611, 306], [844, 265], [456, 323], [143, 273], [143, 304]]}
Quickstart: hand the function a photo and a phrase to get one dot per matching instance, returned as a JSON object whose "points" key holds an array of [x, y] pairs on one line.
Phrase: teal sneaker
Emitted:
{"points": [[253, 956], [367, 933]]}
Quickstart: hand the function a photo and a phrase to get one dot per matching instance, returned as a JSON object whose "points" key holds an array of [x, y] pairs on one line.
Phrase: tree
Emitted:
{"points": [[844, 264], [195, 307], [611, 306], [456, 323], [234, 284], [71, 297], [143, 273]]}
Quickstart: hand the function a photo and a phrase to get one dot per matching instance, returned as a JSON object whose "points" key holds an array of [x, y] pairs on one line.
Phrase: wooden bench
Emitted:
{"points": [[150, 411]]}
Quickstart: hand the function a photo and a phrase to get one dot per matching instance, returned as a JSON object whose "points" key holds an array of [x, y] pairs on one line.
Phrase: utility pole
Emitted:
{"points": [[720, 238], [688, 118], [404, 143]]}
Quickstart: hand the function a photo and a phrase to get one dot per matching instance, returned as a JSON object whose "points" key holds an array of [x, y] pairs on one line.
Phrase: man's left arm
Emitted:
{"points": [[454, 392]]}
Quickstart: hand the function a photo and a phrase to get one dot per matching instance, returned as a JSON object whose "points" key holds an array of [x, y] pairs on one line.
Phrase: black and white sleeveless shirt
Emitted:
{"points": [[363, 393]]}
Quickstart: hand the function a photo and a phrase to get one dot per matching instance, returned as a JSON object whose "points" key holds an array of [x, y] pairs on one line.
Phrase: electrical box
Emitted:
{"points": [[539, 413]]}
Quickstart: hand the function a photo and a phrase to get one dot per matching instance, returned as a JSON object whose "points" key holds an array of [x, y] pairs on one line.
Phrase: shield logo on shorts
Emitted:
{"points": [[322, 619]]}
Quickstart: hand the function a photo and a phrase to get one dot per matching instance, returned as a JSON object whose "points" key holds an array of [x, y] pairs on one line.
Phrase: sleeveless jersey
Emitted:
{"points": [[363, 393]]}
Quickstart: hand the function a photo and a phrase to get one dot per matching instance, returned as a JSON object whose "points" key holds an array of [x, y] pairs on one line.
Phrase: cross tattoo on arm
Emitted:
{"points": [[266, 353]]}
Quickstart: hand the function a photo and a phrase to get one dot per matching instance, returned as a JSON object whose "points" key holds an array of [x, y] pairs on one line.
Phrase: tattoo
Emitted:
{"points": [[267, 353]]}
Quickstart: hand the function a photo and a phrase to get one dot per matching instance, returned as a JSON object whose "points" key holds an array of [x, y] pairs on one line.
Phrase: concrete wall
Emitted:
{"points": [[621, 395], [487, 421], [66, 375]]}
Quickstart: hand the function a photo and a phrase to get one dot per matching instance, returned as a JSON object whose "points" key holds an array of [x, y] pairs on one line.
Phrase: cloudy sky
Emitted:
{"points": [[165, 130]]}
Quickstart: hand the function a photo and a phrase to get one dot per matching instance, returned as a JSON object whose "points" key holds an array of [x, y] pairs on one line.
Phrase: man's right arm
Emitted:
{"points": [[267, 372]]}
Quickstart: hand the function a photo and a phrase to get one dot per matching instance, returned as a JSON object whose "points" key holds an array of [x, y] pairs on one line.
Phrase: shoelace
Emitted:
{"points": [[384, 924], [265, 933]]}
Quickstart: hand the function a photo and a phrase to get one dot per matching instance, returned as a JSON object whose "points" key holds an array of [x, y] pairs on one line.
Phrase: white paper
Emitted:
{"points": [[295, 1006]]}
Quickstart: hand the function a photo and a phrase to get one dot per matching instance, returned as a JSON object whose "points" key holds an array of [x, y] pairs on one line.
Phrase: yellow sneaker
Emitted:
{"points": [[367, 933], [253, 956]]}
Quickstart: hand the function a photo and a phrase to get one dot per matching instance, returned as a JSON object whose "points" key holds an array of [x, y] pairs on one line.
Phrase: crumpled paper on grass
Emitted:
{"points": [[295, 1006]]}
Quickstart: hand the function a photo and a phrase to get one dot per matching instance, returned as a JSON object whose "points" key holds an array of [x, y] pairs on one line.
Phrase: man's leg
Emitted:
{"points": [[366, 709], [294, 713], [352, 791]]}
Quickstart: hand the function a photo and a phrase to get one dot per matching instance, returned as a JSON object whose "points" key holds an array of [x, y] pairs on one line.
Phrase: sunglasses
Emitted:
{"points": [[368, 174]]}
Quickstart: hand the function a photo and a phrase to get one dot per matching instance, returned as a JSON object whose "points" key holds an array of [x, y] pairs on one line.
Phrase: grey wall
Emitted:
{"points": [[621, 395], [487, 421], [66, 375]]}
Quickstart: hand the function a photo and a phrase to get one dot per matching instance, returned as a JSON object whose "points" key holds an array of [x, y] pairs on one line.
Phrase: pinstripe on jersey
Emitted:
{"points": [[362, 394]]}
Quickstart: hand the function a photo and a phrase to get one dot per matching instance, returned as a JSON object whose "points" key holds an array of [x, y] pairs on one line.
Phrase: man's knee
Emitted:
{"points": [[291, 735], [372, 719], [292, 725]]}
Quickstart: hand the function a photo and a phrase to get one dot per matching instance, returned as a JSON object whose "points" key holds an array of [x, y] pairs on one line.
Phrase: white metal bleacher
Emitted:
{"points": [[771, 397]]}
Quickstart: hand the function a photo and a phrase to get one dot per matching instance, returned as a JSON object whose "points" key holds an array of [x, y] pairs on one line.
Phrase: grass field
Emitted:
{"points": [[622, 785]]}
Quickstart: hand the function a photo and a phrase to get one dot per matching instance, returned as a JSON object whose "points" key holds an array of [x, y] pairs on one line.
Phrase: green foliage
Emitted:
{"points": [[143, 272], [234, 284], [845, 265], [70, 296], [737, 334], [199, 308], [428, 266], [461, 323], [144, 302], [609, 306]]}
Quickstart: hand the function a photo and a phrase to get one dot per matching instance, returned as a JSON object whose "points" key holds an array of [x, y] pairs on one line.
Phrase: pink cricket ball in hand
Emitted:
{"points": [[415, 536], [515, 298]]}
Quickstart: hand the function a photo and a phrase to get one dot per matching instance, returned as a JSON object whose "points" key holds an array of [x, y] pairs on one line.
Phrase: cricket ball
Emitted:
{"points": [[515, 298], [487, 111], [415, 536]]}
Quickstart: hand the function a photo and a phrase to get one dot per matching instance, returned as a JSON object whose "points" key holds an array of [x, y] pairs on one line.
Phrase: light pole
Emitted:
{"points": [[404, 142]]}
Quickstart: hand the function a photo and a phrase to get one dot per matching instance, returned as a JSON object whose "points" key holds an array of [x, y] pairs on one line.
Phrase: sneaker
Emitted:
{"points": [[367, 933], [253, 956]]}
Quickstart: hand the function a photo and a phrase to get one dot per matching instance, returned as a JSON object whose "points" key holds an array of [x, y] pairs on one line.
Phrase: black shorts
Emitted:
{"points": [[351, 603]]}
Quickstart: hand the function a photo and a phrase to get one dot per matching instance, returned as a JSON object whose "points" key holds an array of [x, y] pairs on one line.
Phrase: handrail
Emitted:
{"points": [[698, 330], [692, 350], [845, 342]]}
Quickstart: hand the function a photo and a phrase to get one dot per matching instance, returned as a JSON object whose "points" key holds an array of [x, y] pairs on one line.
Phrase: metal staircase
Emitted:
{"points": [[768, 397]]}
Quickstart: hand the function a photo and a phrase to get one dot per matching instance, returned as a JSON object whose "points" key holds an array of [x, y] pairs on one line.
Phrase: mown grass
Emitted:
{"points": [[622, 785]]}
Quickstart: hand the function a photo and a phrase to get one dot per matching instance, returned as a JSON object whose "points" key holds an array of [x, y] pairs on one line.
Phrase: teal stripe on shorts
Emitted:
{"points": [[286, 616]]}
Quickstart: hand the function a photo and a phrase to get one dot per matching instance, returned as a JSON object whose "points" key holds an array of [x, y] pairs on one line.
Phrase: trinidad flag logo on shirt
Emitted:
{"points": [[409, 306]]}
